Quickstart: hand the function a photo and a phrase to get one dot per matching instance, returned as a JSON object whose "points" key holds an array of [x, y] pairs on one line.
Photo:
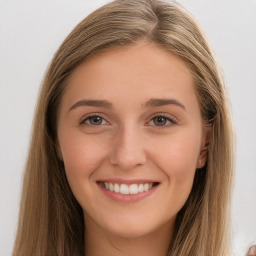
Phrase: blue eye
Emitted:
{"points": [[161, 121], [94, 120]]}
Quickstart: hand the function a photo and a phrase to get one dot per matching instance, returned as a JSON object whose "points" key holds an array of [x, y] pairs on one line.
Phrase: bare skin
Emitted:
{"points": [[252, 251], [104, 243], [130, 119]]}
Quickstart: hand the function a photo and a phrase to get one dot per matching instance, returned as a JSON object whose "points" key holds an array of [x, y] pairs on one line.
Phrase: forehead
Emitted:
{"points": [[139, 71]]}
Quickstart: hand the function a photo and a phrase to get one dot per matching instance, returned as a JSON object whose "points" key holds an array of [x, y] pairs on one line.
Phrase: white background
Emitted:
{"points": [[30, 33]]}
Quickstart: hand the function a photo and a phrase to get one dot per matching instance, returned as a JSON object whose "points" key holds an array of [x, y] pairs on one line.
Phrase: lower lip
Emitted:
{"points": [[128, 198]]}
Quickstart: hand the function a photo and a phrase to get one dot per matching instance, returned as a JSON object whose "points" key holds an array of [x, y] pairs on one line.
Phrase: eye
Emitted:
{"points": [[161, 120], [94, 120]]}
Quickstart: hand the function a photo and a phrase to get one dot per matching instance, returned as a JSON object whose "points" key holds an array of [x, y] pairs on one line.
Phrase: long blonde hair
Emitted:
{"points": [[51, 220]]}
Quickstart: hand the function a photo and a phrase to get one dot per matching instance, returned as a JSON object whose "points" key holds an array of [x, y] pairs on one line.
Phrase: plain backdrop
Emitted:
{"points": [[30, 33]]}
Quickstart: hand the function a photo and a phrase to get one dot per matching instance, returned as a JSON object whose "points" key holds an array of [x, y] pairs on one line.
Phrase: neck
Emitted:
{"points": [[100, 243]]}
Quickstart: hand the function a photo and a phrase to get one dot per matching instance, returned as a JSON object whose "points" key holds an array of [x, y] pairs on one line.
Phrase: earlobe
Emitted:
{"points": [[204, 150], [202, 158]]}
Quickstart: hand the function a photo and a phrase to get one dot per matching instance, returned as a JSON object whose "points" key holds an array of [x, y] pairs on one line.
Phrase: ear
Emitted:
{"points": [[202, 158], [204, 148]]}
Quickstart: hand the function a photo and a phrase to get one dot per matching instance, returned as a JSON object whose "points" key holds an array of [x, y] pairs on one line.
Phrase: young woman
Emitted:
{"points": [[132, 145]]}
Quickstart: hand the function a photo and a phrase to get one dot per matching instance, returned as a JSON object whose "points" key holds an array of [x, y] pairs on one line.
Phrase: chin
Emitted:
{"points": [[135, 227]]}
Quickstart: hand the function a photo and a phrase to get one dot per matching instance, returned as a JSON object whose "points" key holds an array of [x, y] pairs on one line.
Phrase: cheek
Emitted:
{"points": [[178, 156], [185, 150], [81, 154]]}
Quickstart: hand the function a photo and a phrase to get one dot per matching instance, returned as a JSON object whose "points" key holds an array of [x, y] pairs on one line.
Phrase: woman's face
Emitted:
{"points": [[130, 135]]}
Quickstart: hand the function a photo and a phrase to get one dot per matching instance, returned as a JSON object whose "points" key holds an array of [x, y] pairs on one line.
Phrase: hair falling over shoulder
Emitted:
{"points": [[50, 218]]}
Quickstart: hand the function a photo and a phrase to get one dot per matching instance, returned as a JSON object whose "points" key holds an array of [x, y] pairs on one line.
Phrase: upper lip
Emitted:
{"points": [[128, 182]]}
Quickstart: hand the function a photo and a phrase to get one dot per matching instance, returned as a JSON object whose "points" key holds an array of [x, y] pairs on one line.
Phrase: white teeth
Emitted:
{"points": [[111, 187], [141, 188], [128, 189], [146, 187], [134, 189], [124, 189], [116, 188]]}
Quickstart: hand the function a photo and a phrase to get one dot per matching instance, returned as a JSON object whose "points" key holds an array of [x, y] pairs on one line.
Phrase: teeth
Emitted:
{"points": [[110, 187], [134, 189], [141, 188], [116, 188], [146, 187], [127, 189], [124, 189]]}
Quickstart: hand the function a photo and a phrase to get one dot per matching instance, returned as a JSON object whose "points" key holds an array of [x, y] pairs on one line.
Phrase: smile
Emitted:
{"points": [[125, 189]]}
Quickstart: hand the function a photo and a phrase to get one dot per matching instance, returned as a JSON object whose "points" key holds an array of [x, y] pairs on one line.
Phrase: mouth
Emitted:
{"points": [[128, 189]]}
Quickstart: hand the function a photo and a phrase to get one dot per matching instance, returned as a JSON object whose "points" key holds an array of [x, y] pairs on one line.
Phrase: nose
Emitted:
{"points": [[128, 149]]}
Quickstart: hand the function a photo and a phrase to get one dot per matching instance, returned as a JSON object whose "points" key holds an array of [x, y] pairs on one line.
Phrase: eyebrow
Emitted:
{"points": [[154, 102], [92, 103], [163, 102]]}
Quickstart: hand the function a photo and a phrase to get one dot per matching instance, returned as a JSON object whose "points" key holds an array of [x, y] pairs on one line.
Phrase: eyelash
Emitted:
{"points": [[170, 121], [88, 118]]}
